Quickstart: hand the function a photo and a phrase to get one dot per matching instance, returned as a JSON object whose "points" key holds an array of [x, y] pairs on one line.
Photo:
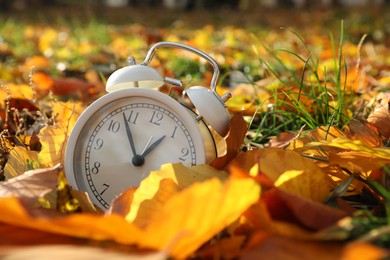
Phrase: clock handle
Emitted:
{"points": [[210, 105], [153, 49]]}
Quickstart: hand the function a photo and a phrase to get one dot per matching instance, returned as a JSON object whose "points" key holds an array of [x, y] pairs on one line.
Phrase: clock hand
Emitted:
{"points": [[129, 135], [152, 146]]}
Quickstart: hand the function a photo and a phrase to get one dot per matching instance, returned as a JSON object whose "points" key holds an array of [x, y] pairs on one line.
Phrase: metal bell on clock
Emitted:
{"points": [[134, 76], [211, 107]]}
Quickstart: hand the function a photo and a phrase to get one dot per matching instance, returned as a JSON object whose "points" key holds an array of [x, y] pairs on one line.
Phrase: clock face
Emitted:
{"points": [[123, 136]]}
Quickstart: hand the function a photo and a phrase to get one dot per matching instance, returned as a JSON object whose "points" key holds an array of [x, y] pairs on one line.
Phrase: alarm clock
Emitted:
{"points": [[134, 129]]}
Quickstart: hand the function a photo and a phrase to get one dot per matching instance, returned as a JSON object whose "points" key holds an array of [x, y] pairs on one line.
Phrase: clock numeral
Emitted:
{"points": [[98, 144], [132, 118], [114, 126], [105, 187], [156, 118], [95, 168], [174, 132], [184, 153]]}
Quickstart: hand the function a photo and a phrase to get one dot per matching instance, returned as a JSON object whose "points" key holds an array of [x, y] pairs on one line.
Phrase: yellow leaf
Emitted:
{"points": [[53, 139], [20, 160], [151, 195], [356, 155], [199, 212], [358, 146], [304, 183], [67, 112], [295, 174], [17, 91]]}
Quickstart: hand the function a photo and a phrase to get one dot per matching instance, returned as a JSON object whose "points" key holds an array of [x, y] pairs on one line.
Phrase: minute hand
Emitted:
{"points": [[152, 146], [129, 135]]}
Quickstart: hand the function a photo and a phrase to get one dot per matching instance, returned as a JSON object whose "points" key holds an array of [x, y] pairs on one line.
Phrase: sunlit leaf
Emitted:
{"points": [[20, 160], [293, 173], [199, 212], [355, 155], [152, 194], [53, 139]]}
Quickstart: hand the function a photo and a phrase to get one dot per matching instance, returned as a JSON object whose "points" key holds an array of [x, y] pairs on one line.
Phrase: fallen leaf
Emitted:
{"points": [[358, 250], [20, 160], [151, 194], [87, 226], [66, 252], [293, 173], [355, 155], [31, 184], [199, 212], [53, 139], [380, 116], [276, 247], [238, 130], [296, 209]]}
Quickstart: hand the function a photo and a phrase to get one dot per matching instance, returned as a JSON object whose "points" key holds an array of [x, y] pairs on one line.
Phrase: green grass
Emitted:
{"points": [[288, 109]]}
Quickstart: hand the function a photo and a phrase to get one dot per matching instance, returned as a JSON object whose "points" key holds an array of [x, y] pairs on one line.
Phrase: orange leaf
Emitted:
{"points": [[275, 247], [309, 214], [89, 226], [199, 212], [356, 250], [160, 185], [238, 130]]}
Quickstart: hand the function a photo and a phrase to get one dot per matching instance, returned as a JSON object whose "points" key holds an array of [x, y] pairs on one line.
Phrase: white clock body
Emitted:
{"points": [[123, 136]]}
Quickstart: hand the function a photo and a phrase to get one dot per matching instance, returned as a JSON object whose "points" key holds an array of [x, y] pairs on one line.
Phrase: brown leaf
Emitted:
{"points": [[238, 130], [274, 247], [31, 185], [288, 207], [380, 116]]}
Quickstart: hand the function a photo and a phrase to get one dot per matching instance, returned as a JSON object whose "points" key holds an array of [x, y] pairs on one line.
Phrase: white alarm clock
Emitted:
{"points": [[134, 129]]}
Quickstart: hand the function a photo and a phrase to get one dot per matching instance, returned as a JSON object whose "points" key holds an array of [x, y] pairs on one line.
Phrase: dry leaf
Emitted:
{"points": [[150, 196], [87, 226], [238, 130], [66, 252], [274, 247], [296, 209], [360, 250], [380, 116], [356, 156], [53, 139], [31, 185], [199, 212], [295, 174], [20, 160]]}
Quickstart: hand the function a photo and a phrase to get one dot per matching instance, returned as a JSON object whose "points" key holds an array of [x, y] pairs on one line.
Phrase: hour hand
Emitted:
{"points": [[152, 146], [129, 135]]}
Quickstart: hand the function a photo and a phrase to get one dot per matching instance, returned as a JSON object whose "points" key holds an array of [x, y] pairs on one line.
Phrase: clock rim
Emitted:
{"points": [[168, 101]]}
